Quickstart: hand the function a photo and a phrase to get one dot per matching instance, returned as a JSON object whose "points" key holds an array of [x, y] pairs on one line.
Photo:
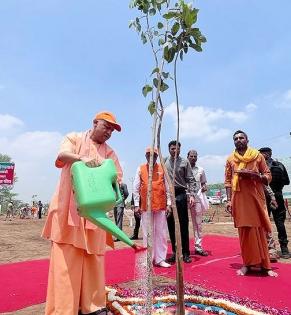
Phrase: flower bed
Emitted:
{"points": [[197, 301]]}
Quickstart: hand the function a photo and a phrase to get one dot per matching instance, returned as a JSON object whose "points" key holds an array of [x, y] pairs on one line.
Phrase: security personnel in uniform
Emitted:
{"points": [[280, 178]]}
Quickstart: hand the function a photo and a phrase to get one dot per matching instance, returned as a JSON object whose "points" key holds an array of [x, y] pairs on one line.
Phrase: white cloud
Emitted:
{"points": [[214, 167], [34, 154], [203, 122], [212, 160], [282, 100], [8, 122], [251, 107]]}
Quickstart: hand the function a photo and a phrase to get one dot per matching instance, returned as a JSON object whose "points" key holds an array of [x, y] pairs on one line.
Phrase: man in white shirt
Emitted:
{"points": [[199, 207]]}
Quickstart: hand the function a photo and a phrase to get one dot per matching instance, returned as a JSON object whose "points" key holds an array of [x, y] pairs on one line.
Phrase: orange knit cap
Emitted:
{"points": [[149, 149], [109, 117]]}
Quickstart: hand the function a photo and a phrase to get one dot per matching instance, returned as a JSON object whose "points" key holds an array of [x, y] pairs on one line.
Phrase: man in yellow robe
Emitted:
{"points": [[246, 173]]}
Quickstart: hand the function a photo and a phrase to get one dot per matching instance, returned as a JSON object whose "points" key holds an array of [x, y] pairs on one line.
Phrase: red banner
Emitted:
{"points": [[6, 173]]}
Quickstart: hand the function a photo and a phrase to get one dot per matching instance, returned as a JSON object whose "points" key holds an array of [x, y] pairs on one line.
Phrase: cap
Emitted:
{"points": [[109, 117], [265, 149], [149, 149]]}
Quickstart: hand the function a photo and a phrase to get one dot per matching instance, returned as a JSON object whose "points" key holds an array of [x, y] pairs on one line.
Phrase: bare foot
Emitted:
{"points": [[272, 273], [242, 271]]}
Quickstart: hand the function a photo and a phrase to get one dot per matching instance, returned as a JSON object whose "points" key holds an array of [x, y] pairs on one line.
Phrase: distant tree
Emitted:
{"points": [[5, 158]]}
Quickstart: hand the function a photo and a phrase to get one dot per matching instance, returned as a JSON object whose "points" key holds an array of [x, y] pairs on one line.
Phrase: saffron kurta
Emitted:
{"points": [[63, 224], [76, 276], [249, 210]]}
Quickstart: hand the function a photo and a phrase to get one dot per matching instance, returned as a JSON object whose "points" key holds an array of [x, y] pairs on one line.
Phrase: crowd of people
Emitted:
{"points": [[76, 283], [254, 184], [33, 211]]}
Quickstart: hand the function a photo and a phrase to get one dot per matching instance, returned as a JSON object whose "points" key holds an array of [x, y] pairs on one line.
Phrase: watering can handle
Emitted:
{"points": [[119, 198]]}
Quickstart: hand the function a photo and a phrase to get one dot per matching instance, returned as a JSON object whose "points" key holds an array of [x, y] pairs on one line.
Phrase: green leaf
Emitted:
{"points": [[164, 86], [161, 41], [185, 48], [155, 82], [170, 15], [160, 25], [131, 23], [172, 52], [181, 55], [203, 39], [143, 38], [138, 27], [189, 16], [152, 107], [155, 70], [175, 28], [169, 54], [196, 47], [146, 89], [197, 41], [166, 53], [144, 6], [137, 24], [165, 74], [194, 32]]}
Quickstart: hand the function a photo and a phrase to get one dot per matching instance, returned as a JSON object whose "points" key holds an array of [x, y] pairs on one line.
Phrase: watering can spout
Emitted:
{"points": [[96, 192], [106, 224]]}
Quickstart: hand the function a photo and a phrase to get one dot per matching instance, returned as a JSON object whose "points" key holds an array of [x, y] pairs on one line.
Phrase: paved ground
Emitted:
{"points": [[20, 240]]}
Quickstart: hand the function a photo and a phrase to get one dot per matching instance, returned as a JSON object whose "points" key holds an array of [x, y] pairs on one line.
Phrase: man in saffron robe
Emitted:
{"points": [[76, 283], [246, 173], [160, 206]]}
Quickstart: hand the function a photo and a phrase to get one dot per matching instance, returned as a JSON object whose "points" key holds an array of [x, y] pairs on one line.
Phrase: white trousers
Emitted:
{"points": [[159, 234], [196, 215]]}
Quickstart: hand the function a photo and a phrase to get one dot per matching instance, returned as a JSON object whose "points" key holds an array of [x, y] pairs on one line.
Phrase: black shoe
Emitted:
{"points": [[201, 252], [285, 252], [134, 237], [116, 240], [187, 259], [171, 259]]}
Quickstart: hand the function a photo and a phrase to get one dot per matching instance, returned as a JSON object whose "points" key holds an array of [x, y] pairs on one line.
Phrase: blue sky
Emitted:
{"points": [[63, 61]]}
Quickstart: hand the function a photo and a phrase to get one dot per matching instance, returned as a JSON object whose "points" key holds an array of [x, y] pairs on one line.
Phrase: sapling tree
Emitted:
{"points": [[169, 27]]}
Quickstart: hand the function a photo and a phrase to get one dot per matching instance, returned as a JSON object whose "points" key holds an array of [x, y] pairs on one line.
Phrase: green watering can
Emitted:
{"points": [[96, 192]]}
